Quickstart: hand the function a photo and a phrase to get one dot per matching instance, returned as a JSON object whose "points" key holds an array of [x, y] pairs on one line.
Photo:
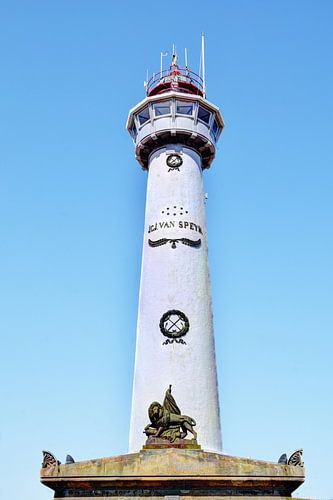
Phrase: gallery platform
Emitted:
{"points": [[172, 473]]}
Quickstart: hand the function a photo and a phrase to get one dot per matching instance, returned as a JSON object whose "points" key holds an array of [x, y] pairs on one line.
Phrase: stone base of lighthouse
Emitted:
{"points": [[173, 474]]}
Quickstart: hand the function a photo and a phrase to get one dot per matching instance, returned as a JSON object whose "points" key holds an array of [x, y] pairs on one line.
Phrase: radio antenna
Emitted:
{"points": [[145, 83], [203, 64], [163, 54]]}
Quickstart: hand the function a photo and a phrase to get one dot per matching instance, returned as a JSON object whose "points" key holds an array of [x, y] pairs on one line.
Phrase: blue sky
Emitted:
{"points": [[72, 211]]}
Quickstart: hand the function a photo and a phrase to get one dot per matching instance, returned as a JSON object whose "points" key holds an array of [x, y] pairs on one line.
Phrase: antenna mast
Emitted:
{"points": [[163, 54], [203, 64], [145, 83]]}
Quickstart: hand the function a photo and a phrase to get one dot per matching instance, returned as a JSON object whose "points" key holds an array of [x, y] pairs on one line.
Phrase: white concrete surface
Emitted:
{"points": [[176, 278]]}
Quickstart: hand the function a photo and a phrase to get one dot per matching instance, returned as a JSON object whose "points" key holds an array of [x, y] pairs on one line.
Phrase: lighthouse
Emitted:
{"points": [[175, 130], [174, 454]]}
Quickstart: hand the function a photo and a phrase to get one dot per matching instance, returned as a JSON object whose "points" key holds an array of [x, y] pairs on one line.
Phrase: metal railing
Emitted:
{"points": [[174, 77]]}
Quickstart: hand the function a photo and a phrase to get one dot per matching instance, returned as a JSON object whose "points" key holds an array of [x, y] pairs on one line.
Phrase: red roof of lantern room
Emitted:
{"points": [[177, 79]]}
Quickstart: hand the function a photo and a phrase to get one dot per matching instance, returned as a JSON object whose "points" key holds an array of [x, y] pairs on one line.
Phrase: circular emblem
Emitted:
{"points": [[174, 324], [174, 161]]}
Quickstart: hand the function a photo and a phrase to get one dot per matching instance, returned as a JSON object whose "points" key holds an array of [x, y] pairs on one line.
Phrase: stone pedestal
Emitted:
{"points": [[172, 473], [154, 443]]}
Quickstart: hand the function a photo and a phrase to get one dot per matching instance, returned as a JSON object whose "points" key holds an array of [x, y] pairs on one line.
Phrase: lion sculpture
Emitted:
{"points": [[167, 422]]}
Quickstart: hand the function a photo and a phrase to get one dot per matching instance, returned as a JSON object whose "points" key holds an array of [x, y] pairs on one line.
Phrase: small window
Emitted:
{"points": [[203, 115], [184, 108], [134, 131], [215, 130], [143, 116], [162, 109]]}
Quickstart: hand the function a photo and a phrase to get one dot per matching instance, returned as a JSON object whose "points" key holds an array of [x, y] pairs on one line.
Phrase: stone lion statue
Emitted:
{"points": [[167, 422]]}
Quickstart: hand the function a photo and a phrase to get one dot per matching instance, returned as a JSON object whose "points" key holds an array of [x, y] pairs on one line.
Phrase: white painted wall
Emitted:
{"points": [[176, 279]]}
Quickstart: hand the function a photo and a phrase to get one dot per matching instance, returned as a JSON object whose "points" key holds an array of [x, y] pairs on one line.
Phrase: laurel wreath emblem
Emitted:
{"points": [[174, 332]]}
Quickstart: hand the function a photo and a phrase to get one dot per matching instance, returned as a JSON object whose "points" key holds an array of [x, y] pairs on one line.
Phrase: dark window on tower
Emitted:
{"points": [[203, 115], [134, 131], [184, 108], [143, 116], [215, 130], [162, 109]]}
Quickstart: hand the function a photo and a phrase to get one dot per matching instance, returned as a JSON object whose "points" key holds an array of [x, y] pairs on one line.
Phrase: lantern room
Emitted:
{"points": [[175, 111]]}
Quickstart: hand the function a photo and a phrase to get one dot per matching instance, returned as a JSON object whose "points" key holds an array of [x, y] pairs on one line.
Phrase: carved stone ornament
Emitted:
{"points": [[283, 459], [49, 460], [70, 459], [174, 161], [184, 241], [296, 458], [166, 421], [174, 325]]}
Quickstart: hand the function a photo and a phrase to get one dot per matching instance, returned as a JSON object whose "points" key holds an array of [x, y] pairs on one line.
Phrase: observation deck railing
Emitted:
{"points": [[175, 78]]}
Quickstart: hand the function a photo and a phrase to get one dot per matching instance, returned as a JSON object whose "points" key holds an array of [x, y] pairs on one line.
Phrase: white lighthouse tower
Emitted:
{"points": [[175, 130]]}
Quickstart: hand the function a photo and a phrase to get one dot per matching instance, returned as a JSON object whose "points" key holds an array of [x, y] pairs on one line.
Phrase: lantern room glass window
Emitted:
{"points": [[143, 115], [203, 115], [184, 108], [164, 108], [215, 130], [134, 131]]}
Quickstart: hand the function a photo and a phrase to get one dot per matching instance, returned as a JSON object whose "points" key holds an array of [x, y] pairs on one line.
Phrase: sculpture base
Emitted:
{"points": [[156, 442], [173, 473]]}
